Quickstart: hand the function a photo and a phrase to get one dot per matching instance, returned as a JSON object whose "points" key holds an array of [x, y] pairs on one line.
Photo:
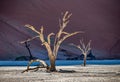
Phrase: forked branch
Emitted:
{"points": [[32, 28], [68, 35], [58, 39], [84, 48], [63, 23]]}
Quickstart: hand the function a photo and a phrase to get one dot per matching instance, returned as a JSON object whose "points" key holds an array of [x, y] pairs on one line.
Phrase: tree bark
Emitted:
{"points": [[85, 57], [52, 63]]}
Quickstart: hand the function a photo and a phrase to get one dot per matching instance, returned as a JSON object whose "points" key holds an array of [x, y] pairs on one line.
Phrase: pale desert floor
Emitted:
{"points": [[90, 73]]}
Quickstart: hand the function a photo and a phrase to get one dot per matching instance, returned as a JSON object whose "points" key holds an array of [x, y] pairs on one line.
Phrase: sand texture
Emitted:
{"points": [[90, 73]]}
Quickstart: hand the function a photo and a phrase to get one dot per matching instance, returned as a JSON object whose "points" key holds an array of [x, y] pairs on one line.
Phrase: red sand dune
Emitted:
{"points": [[100, 19]]}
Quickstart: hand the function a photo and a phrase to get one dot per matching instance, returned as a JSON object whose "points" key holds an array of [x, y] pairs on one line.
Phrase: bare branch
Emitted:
{"points": [[32, 28], [82, 50], [88, 48], [88, 45], [43, 65], [48, 38], [35, 68], [29, 39], [65, 33], [68, 35], [69, 15], [66, 16], [82, 44], [42, 35], [41, 29], [64, 22], [56, 47], [78, 46]]}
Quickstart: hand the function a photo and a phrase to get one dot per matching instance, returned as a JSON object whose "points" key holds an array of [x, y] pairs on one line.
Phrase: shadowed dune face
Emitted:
{"points": [[100, 19]]}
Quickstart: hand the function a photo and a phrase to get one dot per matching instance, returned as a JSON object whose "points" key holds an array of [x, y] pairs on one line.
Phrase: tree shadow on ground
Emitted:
{"points": [[66, 71]]}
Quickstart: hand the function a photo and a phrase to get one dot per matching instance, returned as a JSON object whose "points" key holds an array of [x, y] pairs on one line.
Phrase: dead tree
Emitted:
{"points": [[27, 46], [52, 52], [42, 64], [84, 49]]}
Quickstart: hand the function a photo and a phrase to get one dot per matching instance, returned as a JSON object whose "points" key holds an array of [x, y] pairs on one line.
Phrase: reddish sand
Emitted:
{"points": [[100, 19]]}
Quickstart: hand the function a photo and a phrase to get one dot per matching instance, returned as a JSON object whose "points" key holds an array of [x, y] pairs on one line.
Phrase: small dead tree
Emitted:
{"points": [[84, 49], [52, 52]]}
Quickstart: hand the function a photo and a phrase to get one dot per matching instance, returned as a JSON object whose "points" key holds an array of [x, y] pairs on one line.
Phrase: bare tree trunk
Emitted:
{"points": [[85, 57], [52, 63]]}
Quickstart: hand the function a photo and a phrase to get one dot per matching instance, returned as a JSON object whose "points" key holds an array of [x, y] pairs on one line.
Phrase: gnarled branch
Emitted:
{"points": [[43, 64]]}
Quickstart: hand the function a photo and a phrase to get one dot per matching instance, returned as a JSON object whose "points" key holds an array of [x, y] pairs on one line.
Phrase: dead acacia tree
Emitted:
{"points": [[52, 52], [84, 49]]}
